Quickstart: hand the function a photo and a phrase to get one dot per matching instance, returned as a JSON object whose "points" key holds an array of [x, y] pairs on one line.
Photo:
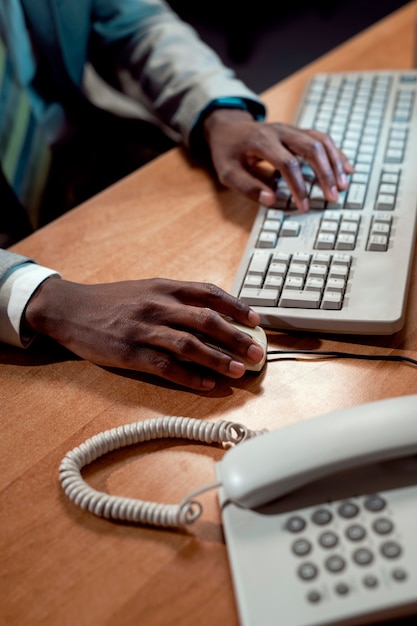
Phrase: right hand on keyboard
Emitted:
{"points": [[151, 326], [238, 144]]}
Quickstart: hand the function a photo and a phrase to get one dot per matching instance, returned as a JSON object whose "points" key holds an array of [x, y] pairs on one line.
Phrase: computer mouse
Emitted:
{"points": [[258, 334]]}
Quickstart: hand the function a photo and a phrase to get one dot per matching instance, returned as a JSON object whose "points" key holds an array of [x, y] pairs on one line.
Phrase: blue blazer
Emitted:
{"points": [[142, 50]]}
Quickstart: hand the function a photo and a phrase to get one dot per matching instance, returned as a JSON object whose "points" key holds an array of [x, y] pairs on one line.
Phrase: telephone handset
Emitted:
{"points": [[320, 518], [267, 467]]}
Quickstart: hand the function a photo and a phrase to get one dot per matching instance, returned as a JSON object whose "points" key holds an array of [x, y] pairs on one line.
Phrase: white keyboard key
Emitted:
{"points": [[345, 242], [385, 201], [253, 281], [349, 228], [273, 282], [259, 297], [325, 241], [378, 243], [342, 259], [267, 240], [290, 229], [259, 263], [271, 225], [297, 270], [314, 284], [332, 300], [318, 270], [339, 271], [328, 227], [293, 282], [277, 269], [379, 228], [336, 284], [356, 196], [300, 299]]}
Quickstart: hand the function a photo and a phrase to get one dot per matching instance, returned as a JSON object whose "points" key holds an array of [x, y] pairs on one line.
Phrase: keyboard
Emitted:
{"points": [[343, 267]]}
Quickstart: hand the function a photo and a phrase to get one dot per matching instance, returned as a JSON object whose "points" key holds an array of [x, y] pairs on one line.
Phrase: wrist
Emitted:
{"points": [[253, 109], [38, 311], [224, 117]]}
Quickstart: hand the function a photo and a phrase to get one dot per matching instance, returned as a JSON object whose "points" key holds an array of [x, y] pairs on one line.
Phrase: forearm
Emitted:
{"points": [[164, 64]]}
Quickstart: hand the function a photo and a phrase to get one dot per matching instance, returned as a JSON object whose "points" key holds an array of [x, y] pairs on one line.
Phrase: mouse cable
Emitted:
{"points": [[342, 355], [140, 511]]}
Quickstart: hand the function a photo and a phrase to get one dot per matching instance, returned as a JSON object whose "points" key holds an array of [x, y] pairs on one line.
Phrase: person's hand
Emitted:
{"points": [[238, 143], [156, 326]]}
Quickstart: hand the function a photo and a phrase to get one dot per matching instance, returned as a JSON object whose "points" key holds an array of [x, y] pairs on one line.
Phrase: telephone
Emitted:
{"points": [[320, 518]]}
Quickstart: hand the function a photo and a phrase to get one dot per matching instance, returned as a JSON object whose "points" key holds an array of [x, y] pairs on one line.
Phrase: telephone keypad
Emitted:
{"points": [[369, 532]]}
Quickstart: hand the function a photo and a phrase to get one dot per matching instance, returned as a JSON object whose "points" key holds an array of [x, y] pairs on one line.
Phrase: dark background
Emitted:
{"points": [[264, 42]]}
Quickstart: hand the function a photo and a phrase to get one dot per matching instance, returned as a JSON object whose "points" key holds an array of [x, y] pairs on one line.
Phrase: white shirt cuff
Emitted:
{"points": [[15, 293]]}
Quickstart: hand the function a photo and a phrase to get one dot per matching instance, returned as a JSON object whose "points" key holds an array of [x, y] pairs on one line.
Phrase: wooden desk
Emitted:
{"points": [[61, 566]]}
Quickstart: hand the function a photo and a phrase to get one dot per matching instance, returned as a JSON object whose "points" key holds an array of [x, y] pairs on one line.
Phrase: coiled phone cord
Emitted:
{"points": [[130, 509]]}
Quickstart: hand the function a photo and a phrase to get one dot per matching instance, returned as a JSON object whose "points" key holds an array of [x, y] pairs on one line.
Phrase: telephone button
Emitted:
{"points": [[355, 532], [375, 503], [342, 589], [363, 556], [295, 524], [321, 517], [308, 571], [383, 526], [328, 540], [391, 549], [348, 509], [399, 574], [335, 563], [301, 547], [370, 581], [314, 596]]}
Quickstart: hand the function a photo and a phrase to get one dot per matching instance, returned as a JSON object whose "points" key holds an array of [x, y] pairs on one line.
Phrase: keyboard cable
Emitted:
{"points": [[295, 354]]}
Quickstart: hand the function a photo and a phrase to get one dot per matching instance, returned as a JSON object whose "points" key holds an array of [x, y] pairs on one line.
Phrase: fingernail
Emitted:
{"points": [[236, 368], [266, 197], [343, 179], [208, 383], [255, 352], [253, 317], [305, 205], [334, 193]]}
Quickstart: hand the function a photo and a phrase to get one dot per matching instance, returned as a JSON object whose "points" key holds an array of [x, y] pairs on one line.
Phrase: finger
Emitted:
{"points": [[199, 335], [320, 152], [209, 296], [165, 366], [196, 372], [339, 163]]}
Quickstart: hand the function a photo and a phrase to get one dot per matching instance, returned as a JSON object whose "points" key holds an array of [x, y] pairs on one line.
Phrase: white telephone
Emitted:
{"points": [[320, 518]]}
